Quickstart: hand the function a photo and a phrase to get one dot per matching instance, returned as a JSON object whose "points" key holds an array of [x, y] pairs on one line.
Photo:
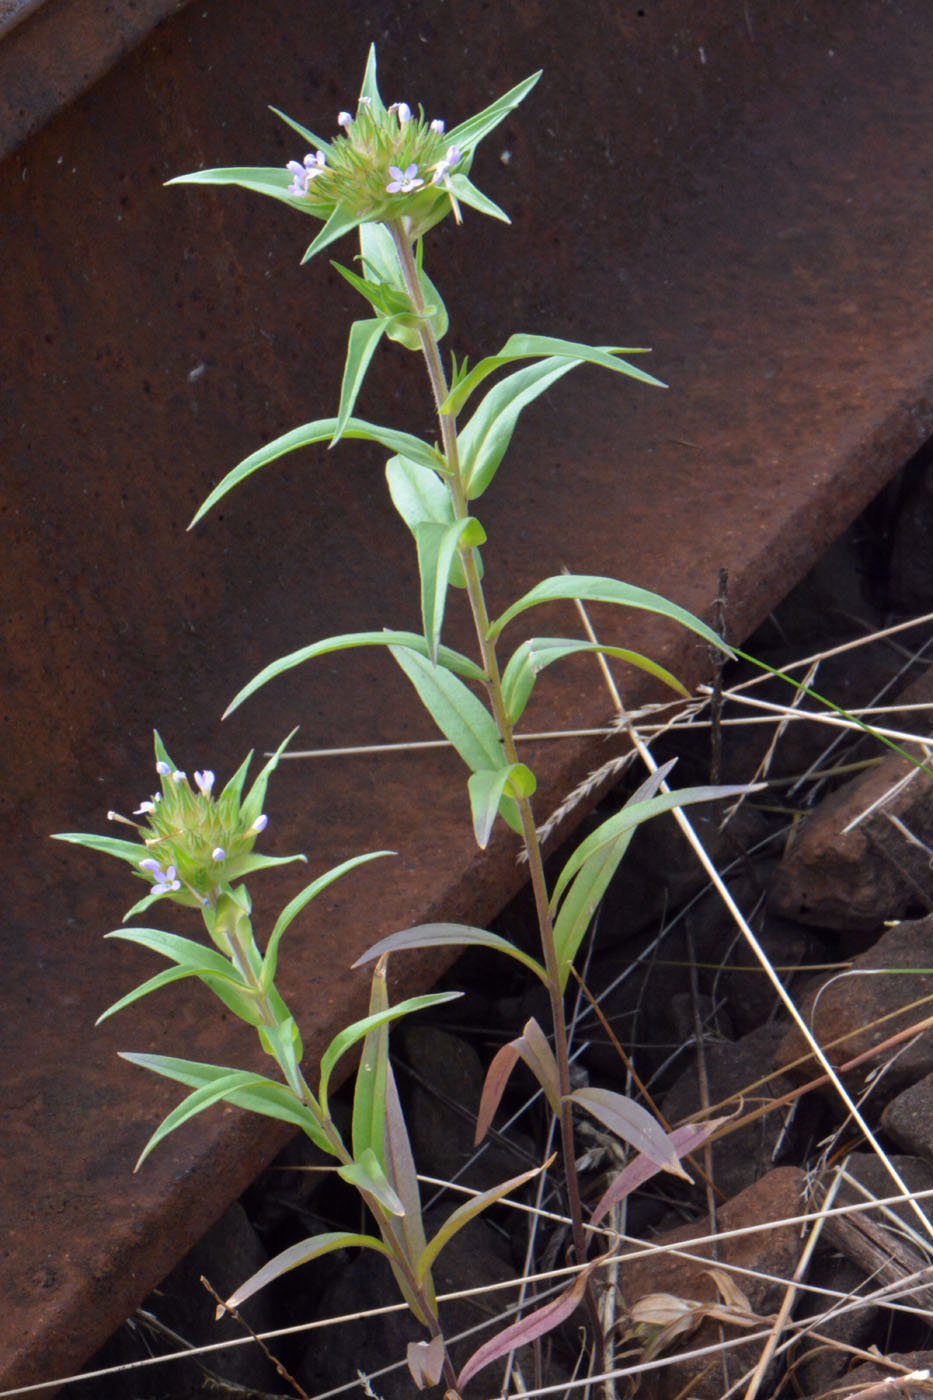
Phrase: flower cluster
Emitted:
{"points": [[381, 152], [194, 841]]}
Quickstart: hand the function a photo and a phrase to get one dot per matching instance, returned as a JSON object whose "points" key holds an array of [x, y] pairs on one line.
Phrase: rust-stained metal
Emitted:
{"points": [[746, 190]]}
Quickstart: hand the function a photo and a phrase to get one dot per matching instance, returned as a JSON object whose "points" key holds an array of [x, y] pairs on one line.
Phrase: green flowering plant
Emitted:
{"points": [[392, 176]]}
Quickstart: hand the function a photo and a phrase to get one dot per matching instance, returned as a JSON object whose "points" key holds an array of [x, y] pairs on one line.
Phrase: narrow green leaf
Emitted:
{"points": [[524, 347], [312, 1248], [340, 222], [364, 337], [366, 1175], [467, 1212], [484, 440], [131, 851], [633, 814], [582, 901], [448, 936], [380, 260], [437, 553], [518, 678], [321, 430], [161, 979], [420, 496], [592, 588], [349, 1036], [487, 789], [468, 134], [295, 906], [183, 951], [458, 714], [467, 193], [369, 1089], [253, 802], [370, 88], [268, 180], [632, 1123], [264, 1096], [452, 660], [197, 1102]]}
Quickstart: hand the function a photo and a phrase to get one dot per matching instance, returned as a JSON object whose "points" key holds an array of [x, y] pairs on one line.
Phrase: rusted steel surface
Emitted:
{"points": [[746, 191], [53, 50]]}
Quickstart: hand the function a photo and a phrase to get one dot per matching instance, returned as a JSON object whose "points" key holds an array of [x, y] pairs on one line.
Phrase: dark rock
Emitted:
{"points": [[908, 1118], [853, 880], [846, 1015], [773, 1250], [743, 1071], [875, 1380]]}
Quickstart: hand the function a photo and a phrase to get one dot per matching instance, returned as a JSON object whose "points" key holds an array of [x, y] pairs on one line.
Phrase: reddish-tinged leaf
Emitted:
{"points": [[426, 1361], [535, 1325], [684, 1140], [449, 936], [467, 1212], [633, 1124], [532, 1047], [301, 1253]]}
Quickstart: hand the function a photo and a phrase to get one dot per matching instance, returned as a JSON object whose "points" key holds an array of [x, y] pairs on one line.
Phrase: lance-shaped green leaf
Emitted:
{"points": [[192, 959], [263, 1096], [316, 141], [321, 430], [438, 547], [458, 714], [420, 496], [464, 191], [469, 1211], [452, 660], [361, 346], [302, 1253], [637, 810], [591, 588], [341, 221], [633, 1124], [450, 936], [468, 134], [684, 1140], [484, 440], [295, 906], [269, 180], [366, 1174], [369, 1090], [532, 1047], [528, 1329], [487, 790], [526, 347], [349, 1036], [223, 1088], [252, 805], [130, 851], [518, 678]]}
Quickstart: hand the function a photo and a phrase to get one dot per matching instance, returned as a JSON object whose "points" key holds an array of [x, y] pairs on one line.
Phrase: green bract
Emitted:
{"points": [[388, 166]]}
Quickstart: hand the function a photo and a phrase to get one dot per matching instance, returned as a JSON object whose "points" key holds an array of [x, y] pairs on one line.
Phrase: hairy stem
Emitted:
{"points": [[432, 358]]}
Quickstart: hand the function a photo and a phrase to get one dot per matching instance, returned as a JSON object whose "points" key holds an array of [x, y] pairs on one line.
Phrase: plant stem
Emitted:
{"points": [[435, 369]]}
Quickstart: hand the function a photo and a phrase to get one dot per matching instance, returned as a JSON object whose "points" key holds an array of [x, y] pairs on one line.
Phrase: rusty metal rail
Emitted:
{"points": [[746, 189]]}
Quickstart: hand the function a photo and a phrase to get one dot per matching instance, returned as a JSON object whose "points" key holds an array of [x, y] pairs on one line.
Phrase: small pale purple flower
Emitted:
{"points": [[403, 181], [152, 867], [167, 882], [204, 781], [163, 769], [178, 776], [260, 823], [344, 118], [437, 126], [443, 167], [312, 166], [144, 809], [218, 854], [402, 111]]}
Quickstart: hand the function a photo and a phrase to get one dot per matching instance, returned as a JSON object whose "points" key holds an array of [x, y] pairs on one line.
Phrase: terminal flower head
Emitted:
{"points": [[377, 169], [190, 843]]}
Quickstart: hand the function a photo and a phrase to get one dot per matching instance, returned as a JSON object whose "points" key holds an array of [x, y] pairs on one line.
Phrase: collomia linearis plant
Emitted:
{"points": [[392, 175]]}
